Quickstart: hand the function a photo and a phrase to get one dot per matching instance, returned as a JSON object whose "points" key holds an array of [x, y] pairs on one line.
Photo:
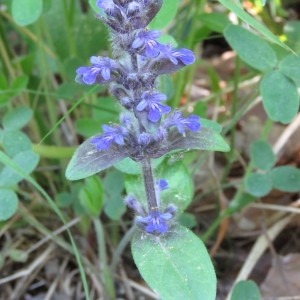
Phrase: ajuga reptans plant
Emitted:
{"points": [[148, 128]]}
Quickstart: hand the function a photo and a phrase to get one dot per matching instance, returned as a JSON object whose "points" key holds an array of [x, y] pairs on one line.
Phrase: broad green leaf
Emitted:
{"points": [[245, 290], [280, 97], [286, 178], [165, 15], [176, 265], [26, 160], [187, 220], [214, 21], [91, 196], [246, 43], [254, 23], [179, 193], [88, 160], [15, 141], [114, 205], [204, 139], [17, 118], [258, 185], [181, 189], [262, 155], [290, 67], [8, 204], [26, 12], [128, 166], [216, 127]]}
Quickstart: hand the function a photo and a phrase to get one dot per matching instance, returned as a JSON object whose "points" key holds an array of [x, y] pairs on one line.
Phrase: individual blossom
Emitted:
{"points": [[151, 103], [155, 222], [184, 55], [162, 184], [101, 66], [111, 134], [192, 122], [146, 40]]}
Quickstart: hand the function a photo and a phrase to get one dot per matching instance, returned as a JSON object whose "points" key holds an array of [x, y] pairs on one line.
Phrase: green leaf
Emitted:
{"points": [[87, 127], [214, 21], [114, 205], [165, 15], [245, 290], [87, 160], [179, 193], [187, 220], [64, 199], [280, 97], [286, 178], [91, 196], [216, 127], [245, 43], [262, 155], [18, 255], [15, 141], [181, 188], [128, 166], [26, 160], [290, 67], [258, 185], [254, 23], [175, 265], [17, 118], [26, 12], [292, 32], [8, 204]]}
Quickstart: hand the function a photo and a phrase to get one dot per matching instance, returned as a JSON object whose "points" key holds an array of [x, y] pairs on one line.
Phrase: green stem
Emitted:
{"points": [[53, 151]]}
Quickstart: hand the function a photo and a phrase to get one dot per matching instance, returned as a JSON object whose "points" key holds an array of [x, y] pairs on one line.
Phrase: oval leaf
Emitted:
{"points": [[26, 12], [280, 97], [262, 155], [172, 270], [26, 160], [15, 141], [290, 67], [286, 178], [8, 204], [258, 185], [245, 290], [17, 118], [165, 15], [87, 160], [246, 43]]}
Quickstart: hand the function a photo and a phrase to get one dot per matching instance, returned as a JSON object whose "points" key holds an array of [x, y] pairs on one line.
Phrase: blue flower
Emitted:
{"points": [[155, 221], [186, 56], [107, 5], [162, 184], [151, 102], [192, 122], [146, 40], [111, 134], [101, 65]]}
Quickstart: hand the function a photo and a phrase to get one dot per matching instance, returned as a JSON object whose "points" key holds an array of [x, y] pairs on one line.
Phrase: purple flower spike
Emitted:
{"points": [[146, 39], [151, 102], [107, 5], [186, 56], [192, 122], [111, 134], [101, 66], [156, 221]]}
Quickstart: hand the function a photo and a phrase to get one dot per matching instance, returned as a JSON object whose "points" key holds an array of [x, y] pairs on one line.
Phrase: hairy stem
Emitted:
{"points": [[149, 184]]}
